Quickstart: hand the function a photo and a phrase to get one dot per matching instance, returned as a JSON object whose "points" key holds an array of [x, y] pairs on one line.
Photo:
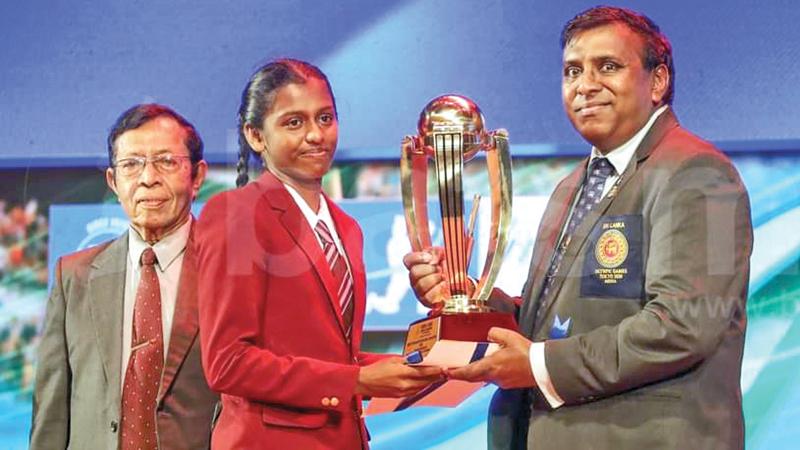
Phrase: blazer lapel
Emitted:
{"points": [[184, 321], [579, 237], [664, 123], [292, 220], [556, 214], [106, 294]]}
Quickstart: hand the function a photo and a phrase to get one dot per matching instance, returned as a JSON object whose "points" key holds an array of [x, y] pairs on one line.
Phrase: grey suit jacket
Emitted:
{"points": [[645, 320], [77, 394]]}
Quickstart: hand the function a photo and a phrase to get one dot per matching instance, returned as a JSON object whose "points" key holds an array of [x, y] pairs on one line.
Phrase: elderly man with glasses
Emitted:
{"points": [[119, 361]]}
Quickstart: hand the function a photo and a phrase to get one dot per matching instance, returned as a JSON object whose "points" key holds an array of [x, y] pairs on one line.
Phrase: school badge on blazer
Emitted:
{"points": [[612, 265]]}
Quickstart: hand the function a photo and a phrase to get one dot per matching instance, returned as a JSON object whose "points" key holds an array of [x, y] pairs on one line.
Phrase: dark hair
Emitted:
{"points": [[259, 94], [657, 49], [138, 115]]}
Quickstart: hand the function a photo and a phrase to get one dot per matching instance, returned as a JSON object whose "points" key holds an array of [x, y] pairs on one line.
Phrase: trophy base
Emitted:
{"points": [[424, 333]]}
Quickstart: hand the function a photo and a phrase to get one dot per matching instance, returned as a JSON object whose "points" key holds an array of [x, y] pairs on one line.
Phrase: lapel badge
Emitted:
{"points": [[613, 192]]}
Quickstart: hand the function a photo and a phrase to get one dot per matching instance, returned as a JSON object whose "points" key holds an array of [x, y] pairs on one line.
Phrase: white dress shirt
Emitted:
{"points": [[619, 158], [324, 215], [169, 252]]}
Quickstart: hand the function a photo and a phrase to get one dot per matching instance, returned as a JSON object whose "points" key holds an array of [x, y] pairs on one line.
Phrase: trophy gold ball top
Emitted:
{"points": [[452, 114]]}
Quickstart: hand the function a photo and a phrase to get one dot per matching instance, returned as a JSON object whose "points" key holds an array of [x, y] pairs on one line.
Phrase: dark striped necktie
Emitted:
{"points": [[591, 194], [341, 274]]}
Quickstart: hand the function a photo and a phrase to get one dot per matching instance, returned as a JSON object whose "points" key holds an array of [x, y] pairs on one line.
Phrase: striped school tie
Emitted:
{"points": [[344, 280]]}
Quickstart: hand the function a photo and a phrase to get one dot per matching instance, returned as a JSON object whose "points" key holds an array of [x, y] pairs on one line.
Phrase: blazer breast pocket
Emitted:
{"points": [[285, 417], [612, 263]]}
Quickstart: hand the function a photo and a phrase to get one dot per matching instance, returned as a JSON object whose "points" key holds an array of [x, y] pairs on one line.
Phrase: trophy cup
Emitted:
{"points": [[451, 131]]}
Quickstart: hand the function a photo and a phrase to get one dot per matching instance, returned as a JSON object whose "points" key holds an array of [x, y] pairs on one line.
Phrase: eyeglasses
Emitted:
{"points": [[134, 166]]}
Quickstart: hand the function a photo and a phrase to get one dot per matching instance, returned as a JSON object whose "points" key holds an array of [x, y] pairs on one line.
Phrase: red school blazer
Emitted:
{"points": [[272, 337]]}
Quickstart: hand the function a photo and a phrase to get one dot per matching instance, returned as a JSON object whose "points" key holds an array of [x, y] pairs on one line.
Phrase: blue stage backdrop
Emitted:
{"points": [[69, 68]]}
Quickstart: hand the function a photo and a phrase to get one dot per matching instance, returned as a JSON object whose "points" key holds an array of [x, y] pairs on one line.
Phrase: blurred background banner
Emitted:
{"points": [[68, 69], [391, 305]]}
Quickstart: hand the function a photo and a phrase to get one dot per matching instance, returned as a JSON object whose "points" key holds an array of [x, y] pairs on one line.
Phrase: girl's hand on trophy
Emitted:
{"points": [[392, 377], [426, 275]]}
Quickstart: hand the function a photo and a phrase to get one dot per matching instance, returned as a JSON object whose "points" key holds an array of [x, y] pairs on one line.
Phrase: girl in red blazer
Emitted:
{"points": [[282, 286]]}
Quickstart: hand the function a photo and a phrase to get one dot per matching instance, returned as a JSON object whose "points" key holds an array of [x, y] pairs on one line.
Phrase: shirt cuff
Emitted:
{"points": [[542, 376]]}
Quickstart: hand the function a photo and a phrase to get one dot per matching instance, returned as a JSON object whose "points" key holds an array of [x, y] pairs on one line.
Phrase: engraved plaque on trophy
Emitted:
{"points": [[451, 132]]}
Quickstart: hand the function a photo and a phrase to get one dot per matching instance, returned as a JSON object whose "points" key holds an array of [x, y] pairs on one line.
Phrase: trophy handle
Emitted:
{"points": [[498, 162], [414, 188]]}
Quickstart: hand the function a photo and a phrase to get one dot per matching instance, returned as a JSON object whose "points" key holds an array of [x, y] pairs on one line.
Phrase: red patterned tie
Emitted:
{"points": [[143, 375], [344, 280]]}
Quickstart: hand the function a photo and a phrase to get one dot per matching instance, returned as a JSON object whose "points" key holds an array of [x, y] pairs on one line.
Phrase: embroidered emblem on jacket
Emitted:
{"points": [[611, 249]]}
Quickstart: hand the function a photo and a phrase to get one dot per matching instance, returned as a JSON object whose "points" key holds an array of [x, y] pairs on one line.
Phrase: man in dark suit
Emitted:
{"points": [[119, 361], [632, 318]]}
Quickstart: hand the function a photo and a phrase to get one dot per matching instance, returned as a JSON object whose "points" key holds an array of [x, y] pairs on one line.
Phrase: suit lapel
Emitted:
{"points": [[664, 123], [106, 295], [296, 225], [579, 237], [184, 320], [556, 214]]}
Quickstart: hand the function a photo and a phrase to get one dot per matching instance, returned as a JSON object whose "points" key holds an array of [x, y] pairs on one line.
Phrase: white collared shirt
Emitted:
{"points": [[620, 158], [324, 215], [169, 252]]}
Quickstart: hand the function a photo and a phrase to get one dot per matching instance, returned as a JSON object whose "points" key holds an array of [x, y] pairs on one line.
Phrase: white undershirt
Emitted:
{"points": [[169, 251], [619, 157]]}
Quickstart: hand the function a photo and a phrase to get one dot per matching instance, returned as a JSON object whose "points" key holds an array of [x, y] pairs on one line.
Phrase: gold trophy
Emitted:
{"points": [[451, 131]]}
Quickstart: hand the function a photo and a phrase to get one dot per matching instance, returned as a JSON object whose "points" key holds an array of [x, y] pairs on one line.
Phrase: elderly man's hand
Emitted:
{"points": [[509, 367]]}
